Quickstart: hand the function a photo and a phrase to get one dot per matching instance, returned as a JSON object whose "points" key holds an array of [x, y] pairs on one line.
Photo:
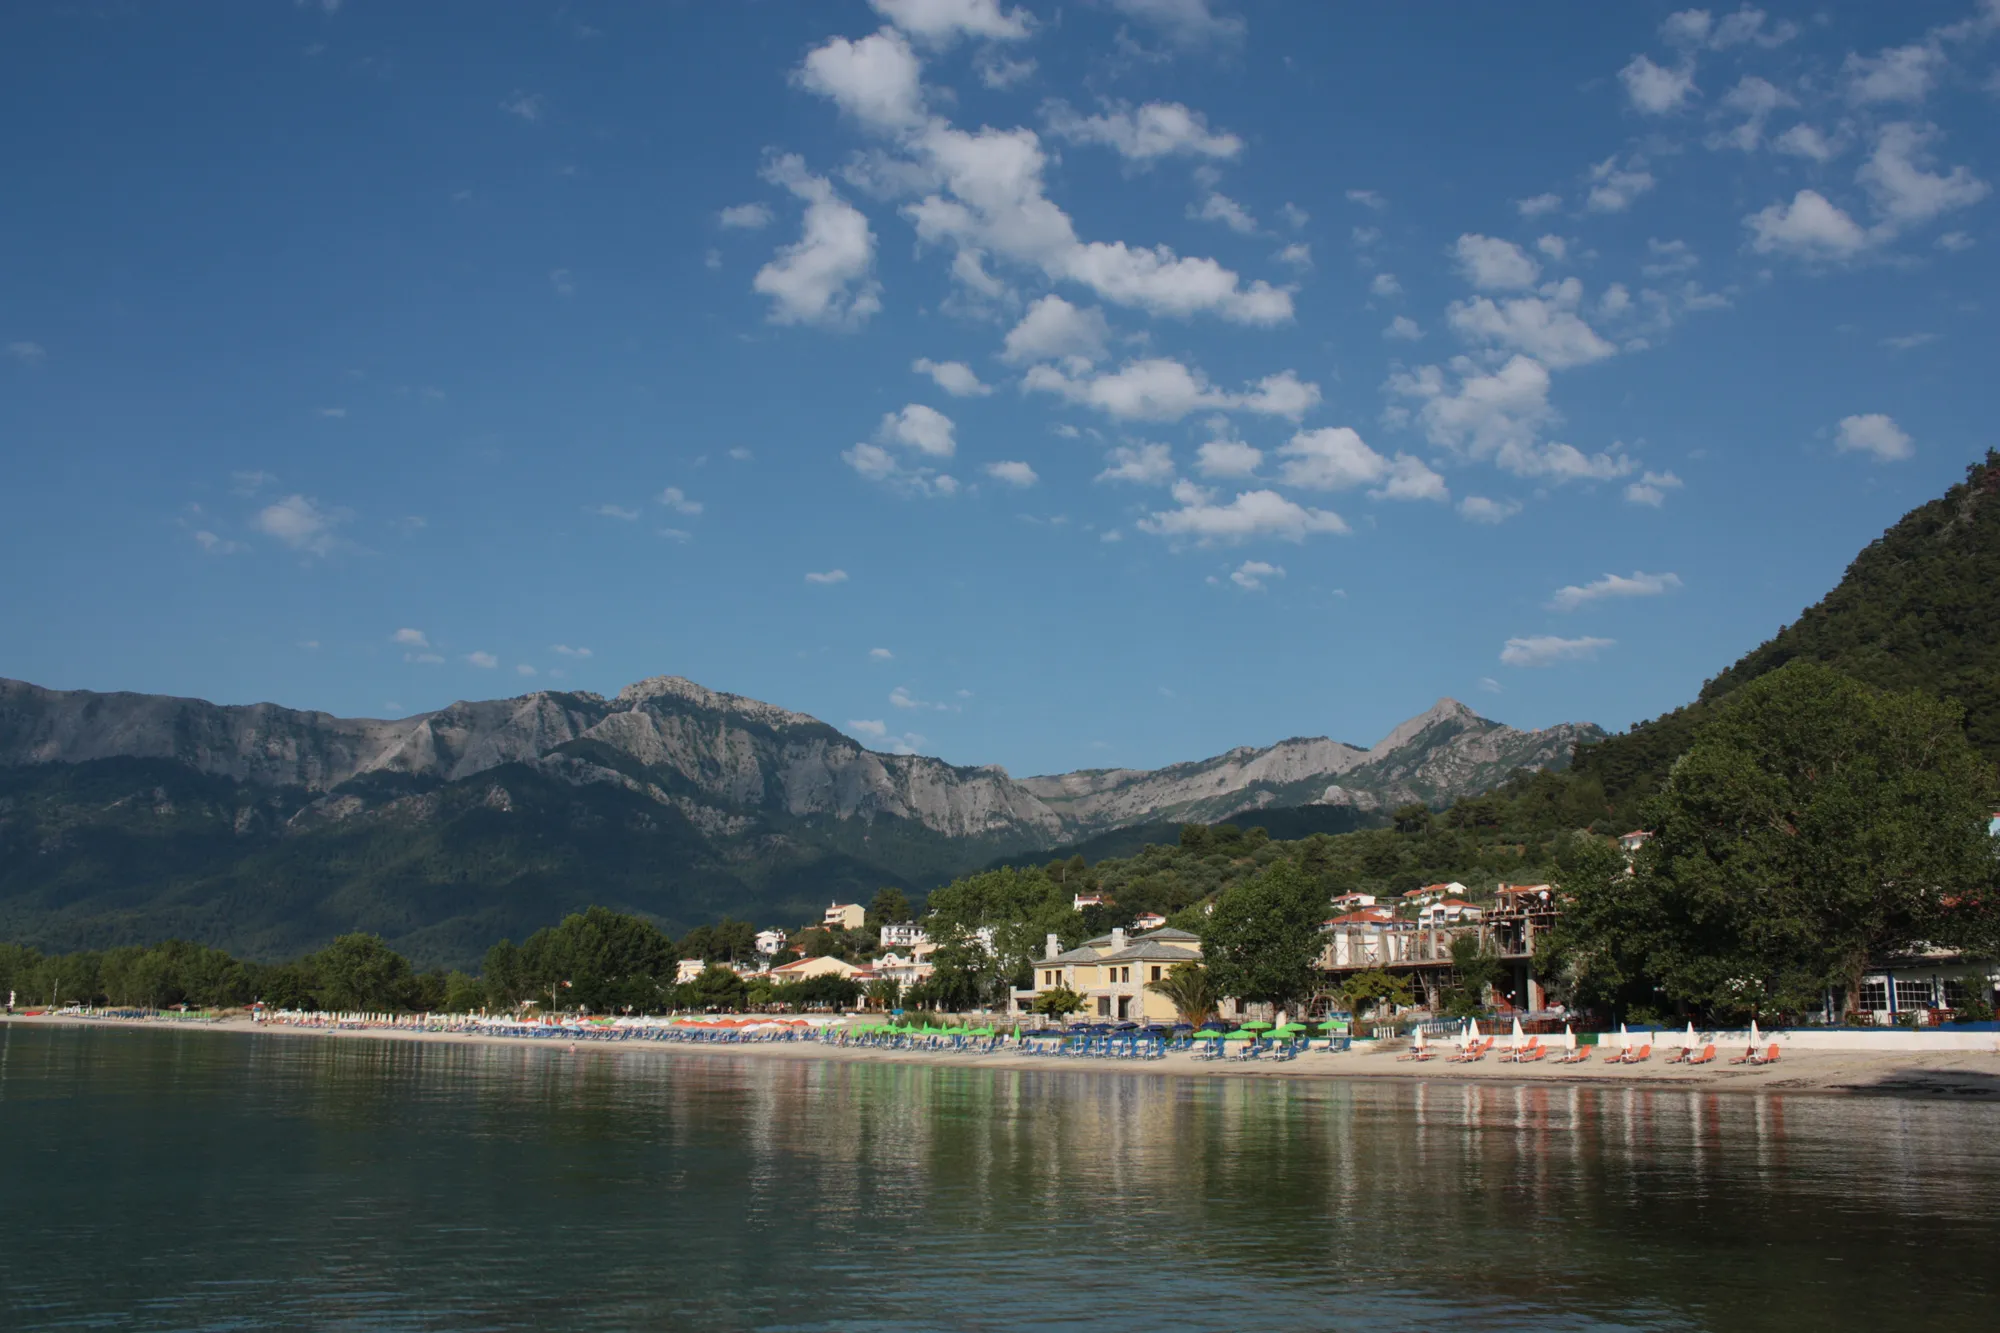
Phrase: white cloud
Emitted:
{"points": [[1808, 228], [215, 545], [1547, 650], [1613, 585], [1803, 140], [1905, 342], [1544, 327], [1252, 573], [1897, 74], [1655, 90], [425, 659], [27, 353], [299, 523], [918, 427], [997, 71], [333, 413], [1335, 458], [943, 22], [1755, 99], [874, 79], [1226, 458], [530, 107], [676, 534], [1651, 489], [1668, 258], [614, 511], [1555, 247], [880, 655], [1364, 237], [1014, 474], [1954, 242], [1489, 685], [1142, 464], [1251, 514], [1221, 208], [1906, 194], [1410, 478], [1163, 389], [676, 499], [1484, 412], [1874, 433], [1368, 199], [954, 377], [877, 464], [1298, 254], [868, 729], [1480, 509], [1053, 329], [1190, 24], [1403, 329], [410, 638], [1385, 284], [484, 661], [1491, 264], [564, 650], [522, 668], [1144, 134], [1687, 27], [1613, 188], [824, 277], [1747, 25], [830, 576], [1537, 205], [741, 453], [1294, 216], [744, 217], [900, 697]]}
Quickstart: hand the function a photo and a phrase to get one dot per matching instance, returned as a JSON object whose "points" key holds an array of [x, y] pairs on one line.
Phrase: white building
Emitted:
{"points": [[689, 969], [904, 935], [770, 941], [1450, 912]]}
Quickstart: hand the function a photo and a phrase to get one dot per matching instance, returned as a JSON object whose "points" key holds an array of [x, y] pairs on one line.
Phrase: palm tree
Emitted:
{"points": [[1187, 988]]}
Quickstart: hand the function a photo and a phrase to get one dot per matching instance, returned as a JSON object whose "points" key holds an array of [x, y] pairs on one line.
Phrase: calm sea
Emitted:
{"points": [[193, 1180]]}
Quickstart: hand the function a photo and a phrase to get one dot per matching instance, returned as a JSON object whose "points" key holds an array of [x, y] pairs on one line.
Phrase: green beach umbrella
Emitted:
{"points": [[1286, 1027], [1207, 1033], [979, 1032], [1239, 1035], [1259, 1026]]}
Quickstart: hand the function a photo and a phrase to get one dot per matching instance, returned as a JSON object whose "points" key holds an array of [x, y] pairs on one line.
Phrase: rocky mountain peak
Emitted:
{"points": [[683, 690], [1442, 713]]}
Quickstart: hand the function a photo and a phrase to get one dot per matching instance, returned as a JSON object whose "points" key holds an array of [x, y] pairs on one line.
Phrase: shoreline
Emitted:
{"points": [[1961, 1075]]}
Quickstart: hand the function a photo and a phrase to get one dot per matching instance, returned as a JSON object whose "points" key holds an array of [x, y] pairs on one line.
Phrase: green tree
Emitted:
{"points": [[889, 907], [1058, 1002], [1263, 939], [1187, 987], [1364, 990], [1815, 823], [359, 971], [714, 987], [1475, 968]]}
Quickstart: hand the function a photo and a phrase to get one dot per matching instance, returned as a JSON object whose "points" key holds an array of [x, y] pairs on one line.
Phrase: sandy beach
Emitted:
{"points": [[1925, 1074]]}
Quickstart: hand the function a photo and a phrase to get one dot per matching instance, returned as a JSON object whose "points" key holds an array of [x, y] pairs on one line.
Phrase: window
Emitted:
{"points": [[1156, 972], [1914, 994], [1874, 996], [1104, 1006]]}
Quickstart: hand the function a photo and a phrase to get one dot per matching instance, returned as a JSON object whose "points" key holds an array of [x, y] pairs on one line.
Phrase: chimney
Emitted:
{"points": [[1117, 938], [1051, 947]]}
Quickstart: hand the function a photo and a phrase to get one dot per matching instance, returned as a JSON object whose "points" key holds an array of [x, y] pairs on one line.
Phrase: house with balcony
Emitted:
{"points": [[903, 935], [845, 916], [1431, 893], [770, 941], [1447, 912], [1111, 973], [827, 966]]}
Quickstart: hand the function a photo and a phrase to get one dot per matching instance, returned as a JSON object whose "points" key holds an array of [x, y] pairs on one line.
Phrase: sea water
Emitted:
{"points": [[204, 1180]]}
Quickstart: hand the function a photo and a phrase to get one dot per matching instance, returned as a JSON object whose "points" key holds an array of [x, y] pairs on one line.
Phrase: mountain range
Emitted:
{"points": [[264, 829]]}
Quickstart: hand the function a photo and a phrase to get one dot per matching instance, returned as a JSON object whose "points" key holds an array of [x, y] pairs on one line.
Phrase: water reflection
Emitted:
{"points": [[194, 1179]]}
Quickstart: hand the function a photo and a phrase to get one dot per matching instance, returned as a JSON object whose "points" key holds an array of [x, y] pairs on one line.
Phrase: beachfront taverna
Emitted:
{"points": [[1111, 972]]}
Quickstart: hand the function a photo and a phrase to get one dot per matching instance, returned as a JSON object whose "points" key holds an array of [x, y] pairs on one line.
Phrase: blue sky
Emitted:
{"points": [[1054, 386]]}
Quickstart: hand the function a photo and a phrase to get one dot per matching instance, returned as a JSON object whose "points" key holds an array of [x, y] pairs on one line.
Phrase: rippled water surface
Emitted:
{"points": [[205, 1180]]}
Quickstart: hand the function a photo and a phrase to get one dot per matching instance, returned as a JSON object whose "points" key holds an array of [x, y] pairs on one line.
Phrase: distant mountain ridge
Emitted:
{"points": [[265, 828]]}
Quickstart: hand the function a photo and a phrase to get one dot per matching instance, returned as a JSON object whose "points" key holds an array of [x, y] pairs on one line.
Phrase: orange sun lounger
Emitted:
{"points": [[1707, 1055]]}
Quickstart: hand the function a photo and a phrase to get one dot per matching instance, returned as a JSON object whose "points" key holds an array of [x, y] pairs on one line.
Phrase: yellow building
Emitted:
{"points": [[846, 916], [1111, 973], [814, 967]]}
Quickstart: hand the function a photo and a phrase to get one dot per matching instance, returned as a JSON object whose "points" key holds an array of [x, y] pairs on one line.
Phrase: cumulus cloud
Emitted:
{"points": [[530, 107], [1613, 585], [1221, 208], [1163, 389], [1481, 509], [1053, 329], [1251, 574], [522, 668], [1547, 650], [299, 523], [1336, 458], [1491, 264], [943, 22], [1803, 140], [1875, 434], [830, 576], [1651, 489], [215, 545], [1014, 474], [1190, 24], [1537, 205], [1143, 134], [880, 655], [1810, 227], [1906, 194], [565, 650], [1260, 513], [1754, 99], [1403, 329], [918, 427], [410, 638], [954, 377], [618, 512], [1656, 90], [1896, 74], [27, 353], [1546, 327], [484, 661], [1614, 187], [875, 79], [868, 729], [824, 277], [676, 499], [744, 217], [1141, 464], [1227, 458]]}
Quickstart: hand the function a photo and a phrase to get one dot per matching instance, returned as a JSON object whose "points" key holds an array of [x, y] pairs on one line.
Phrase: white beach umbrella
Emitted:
{"points": [[1754, 1038], [1518, 1036], [1569, 1039], [1420, 1039], [1624, 1038], [1691, 1038]]}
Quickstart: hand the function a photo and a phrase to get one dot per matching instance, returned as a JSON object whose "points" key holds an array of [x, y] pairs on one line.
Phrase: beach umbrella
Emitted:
{"points": [[1420, 1039], [1471, 1030], [1569, 1039], [1754, 1038], [1207, 1033], [1624, 1038], [1238, 1035], [1691, 1038], [979, 1032], [1258, 1026], [1518, 1036]]}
